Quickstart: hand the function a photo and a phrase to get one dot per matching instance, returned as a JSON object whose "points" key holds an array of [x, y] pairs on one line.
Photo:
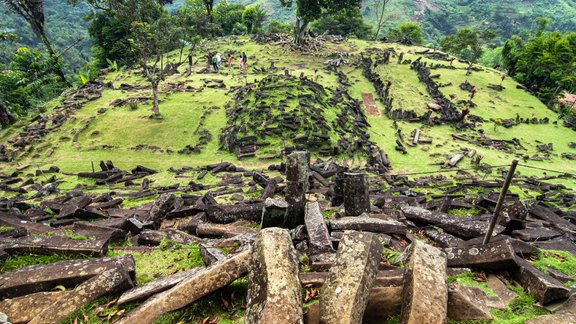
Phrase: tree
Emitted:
{"points": [[253, 17], [465, 44], [344, 22], [152, 35], [227, 15], [33, 12], [408, 32], [380, 6], [310, 10], [277, 27], [193, 16]]}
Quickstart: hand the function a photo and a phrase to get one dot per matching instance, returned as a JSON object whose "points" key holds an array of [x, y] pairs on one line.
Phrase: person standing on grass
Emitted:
{"points": [[244, 61], [229, 60], [215, 63], [218, 59]]}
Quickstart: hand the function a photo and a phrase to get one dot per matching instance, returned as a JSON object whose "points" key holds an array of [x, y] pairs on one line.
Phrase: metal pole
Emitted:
{"points": [[501, 200]]}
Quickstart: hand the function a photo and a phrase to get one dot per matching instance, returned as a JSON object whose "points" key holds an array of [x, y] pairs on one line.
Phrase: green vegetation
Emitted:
{"points": [[521, 309], [407, 32], [161, 261], [558, 260], [17, 262], [474, 280]]}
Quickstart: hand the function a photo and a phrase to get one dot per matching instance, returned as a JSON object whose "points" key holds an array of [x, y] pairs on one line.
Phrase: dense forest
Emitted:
{"points": [[82, 37]]}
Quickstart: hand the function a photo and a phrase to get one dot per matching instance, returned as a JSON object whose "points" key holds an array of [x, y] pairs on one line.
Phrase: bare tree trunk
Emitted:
{"points": [[300, 30], [380, 15], [56, 60], [155, 105]]}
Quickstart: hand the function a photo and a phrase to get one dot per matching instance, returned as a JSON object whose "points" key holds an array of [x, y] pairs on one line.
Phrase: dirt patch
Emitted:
{"points": [[370, 104]]}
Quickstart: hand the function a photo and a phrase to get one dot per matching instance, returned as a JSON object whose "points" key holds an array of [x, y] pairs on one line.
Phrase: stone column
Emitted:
{"points": [[345, 293], [274, 291], [296, 187], [356, 198]]}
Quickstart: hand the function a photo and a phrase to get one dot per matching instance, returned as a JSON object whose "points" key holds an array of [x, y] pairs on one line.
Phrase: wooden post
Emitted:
{"points": [[500, 202]]}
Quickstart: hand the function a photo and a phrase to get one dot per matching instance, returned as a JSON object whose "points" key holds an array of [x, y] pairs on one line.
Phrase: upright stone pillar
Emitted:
{"points": [[338, 195], [296, 187], [345, 293], [274, 291], [356, 198]]}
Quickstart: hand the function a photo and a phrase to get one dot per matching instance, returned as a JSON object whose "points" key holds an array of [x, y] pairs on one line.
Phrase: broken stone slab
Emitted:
{"points": [[273, 286], [37, 278], [210, 254], [48, 245], [356, 198], [154, 238], [368, 224], [274, 213], [545, 288], [270, 189], [503, 294], [467, 303], [565, 313], [425, 293], [443, 239], [93, 229], [31, 227], [160, 208], [455, 159], [317, 230], [231, 213], [495, 256], [549, 216], [110, 281], [312, 314], [24, 309], [345, 293], [191, 289], [156, 286], [223, 230], [535, 234], [464, 227]]}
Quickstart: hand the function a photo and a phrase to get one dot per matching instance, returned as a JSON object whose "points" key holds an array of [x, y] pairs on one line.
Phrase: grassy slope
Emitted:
{"points": [[123, 128]]}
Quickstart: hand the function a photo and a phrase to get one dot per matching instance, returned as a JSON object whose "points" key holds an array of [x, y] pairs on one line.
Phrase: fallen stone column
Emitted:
{"points": [[24, 309], [425, 293], [345, 293], [231, 213], [495, 256], [109, 281], [156, 286], [273, 287], [191, 289], [356, 198], [160, 208], [37, 278], [48, 245], [368, 224], [545, 288]]}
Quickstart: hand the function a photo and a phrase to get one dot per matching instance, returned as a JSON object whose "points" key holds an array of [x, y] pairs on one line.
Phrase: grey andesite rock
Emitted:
{"points": [[191, 289], [345, 294], [109, 281], [274, 293], [495, 256], [425, 293], [545, 288], [37, 278], [467, 303], [156, 286], [24, 309], [368, 224], [317, 229]]}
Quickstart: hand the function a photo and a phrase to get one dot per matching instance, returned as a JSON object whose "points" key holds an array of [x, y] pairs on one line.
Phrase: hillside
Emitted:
{"points": [[196, 108], [181, 202], [66, 24]]}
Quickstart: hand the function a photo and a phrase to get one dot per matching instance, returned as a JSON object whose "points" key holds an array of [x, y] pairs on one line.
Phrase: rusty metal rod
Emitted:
{"points": [[500, 202]]}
